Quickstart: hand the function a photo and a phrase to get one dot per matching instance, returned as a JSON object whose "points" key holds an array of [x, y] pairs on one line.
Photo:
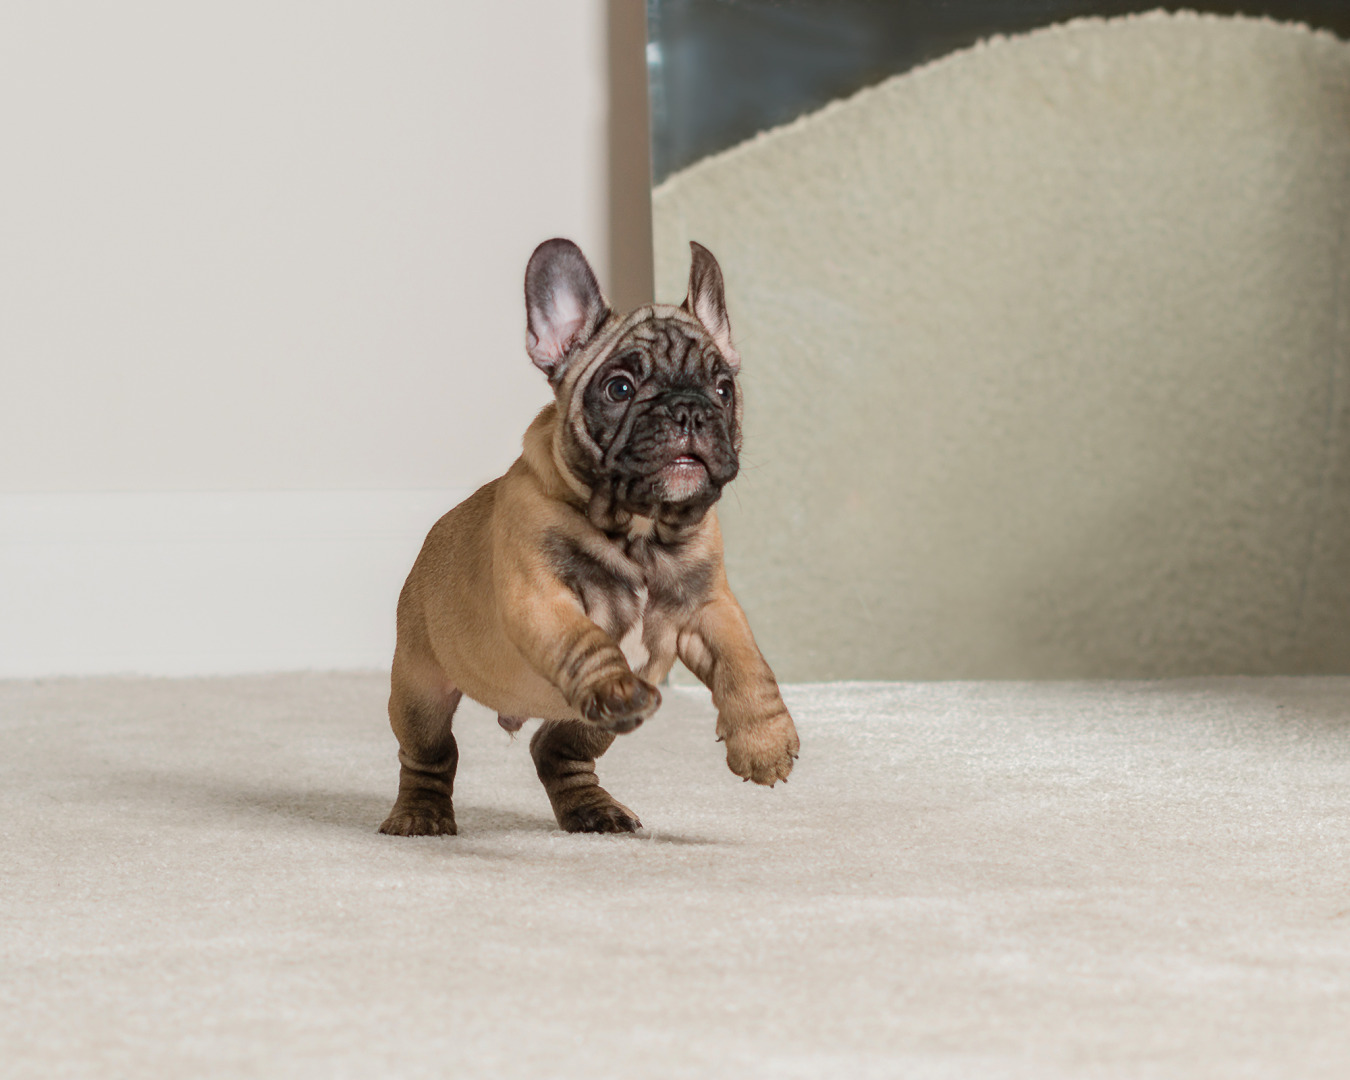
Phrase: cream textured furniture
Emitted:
{"points": [[1047, 358]]}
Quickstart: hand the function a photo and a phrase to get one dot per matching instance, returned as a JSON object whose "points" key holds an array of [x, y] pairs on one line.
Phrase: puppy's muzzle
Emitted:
{"points": [[689, 410]]}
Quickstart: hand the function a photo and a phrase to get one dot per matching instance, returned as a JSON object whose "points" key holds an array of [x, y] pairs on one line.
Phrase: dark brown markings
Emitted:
{"points": [[584, 663], [578, 658], [580, 570], [564, 753], [427, 736], [428, 757], [682, 585], [663, 355]]}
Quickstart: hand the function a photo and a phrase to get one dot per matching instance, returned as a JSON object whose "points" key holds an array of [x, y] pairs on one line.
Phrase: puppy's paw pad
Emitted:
{"points": [[765, 751], [761, 771], [419, 823], [605, 818], [621, 703]]}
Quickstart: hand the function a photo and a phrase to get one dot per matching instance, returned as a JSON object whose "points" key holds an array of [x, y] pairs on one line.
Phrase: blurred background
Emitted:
{"points": [[1041, 306], [1044, 359]]}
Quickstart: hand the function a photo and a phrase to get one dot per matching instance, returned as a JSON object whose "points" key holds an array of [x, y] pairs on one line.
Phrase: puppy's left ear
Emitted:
{"points": [[708, 303], [563, 305]]}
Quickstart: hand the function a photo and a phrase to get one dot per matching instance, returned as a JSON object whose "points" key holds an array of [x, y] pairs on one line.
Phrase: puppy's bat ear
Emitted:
{"points": [[563, 305], [707, 301]]}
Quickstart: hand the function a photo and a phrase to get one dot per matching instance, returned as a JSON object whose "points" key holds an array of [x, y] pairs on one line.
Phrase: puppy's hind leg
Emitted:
{"points": [[427, 757], [564, 753]]}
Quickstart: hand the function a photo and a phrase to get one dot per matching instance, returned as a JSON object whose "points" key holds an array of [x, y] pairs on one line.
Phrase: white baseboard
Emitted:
{"points": [[199, 583]]}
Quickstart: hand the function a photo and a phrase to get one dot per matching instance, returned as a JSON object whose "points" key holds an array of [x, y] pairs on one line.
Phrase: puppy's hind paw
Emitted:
{"points": [[605, 818], [420, 821]]}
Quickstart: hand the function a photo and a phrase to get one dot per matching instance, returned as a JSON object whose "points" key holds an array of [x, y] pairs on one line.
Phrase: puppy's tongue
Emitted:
{"points": [[683, 478]]}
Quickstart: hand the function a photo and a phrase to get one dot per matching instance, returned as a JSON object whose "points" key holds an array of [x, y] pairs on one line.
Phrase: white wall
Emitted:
{"points": [[260, 309]]}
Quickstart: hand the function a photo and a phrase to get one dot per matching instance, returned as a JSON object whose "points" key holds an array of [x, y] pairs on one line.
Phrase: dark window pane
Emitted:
{"points": [[722, 70]]}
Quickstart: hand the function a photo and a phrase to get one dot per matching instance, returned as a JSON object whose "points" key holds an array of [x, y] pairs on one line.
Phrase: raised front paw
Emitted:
{"points": [[761, 750], [620, 703]]}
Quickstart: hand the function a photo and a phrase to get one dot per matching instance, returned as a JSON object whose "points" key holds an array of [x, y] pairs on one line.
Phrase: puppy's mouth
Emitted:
{"points": [[683, 477]]}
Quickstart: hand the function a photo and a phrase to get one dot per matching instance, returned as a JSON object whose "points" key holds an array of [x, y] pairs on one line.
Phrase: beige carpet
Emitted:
{"points": [[962, 879]]}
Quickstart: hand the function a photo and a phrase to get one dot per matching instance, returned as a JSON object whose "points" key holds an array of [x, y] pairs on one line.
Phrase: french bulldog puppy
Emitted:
{"points": [[564, 590]]}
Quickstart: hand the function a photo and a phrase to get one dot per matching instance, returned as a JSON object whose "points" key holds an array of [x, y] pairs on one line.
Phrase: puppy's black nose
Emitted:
{"points": [[690, 412]]}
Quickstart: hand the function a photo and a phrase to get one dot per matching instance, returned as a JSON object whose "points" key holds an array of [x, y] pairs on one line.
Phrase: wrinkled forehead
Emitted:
{"points": [[667, 340]]}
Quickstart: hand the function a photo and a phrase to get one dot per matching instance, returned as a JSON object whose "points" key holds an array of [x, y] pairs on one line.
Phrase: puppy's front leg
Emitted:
{"points": [[752, 720], [586, 665]]}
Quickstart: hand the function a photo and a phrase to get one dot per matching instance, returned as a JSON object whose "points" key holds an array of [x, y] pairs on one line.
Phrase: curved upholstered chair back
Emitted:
{"points": [[1047, 359]]}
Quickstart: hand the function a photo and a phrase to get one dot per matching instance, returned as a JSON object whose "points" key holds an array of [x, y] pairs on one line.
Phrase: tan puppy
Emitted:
{"points": [[565, 589]]}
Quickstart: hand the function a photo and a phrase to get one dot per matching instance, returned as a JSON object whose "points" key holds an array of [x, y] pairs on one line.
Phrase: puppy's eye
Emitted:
{"points": [[620, 388], [724, 391]]}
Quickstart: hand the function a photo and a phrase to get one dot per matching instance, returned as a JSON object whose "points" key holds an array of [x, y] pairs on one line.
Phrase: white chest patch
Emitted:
{"points": [[632, 646]]}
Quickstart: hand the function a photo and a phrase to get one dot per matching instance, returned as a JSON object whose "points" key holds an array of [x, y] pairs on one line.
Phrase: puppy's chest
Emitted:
{"points": [[639, 605], [624, 608], [633, 643]]}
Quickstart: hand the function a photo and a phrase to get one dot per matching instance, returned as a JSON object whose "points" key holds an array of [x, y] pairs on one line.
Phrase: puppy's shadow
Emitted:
{"points": [[214, 798], [494, 821], [348, 810], [482, 821], [363, 813]]}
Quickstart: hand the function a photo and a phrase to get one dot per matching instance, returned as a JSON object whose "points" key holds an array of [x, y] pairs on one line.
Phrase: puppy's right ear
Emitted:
{"points": [[563, 305]]}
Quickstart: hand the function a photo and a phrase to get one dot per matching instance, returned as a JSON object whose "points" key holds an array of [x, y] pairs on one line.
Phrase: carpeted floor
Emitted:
{"points": [[962, 879]]}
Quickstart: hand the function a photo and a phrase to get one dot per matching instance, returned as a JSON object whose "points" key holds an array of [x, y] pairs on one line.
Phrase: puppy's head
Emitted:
{"points": [[649, 409]]}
